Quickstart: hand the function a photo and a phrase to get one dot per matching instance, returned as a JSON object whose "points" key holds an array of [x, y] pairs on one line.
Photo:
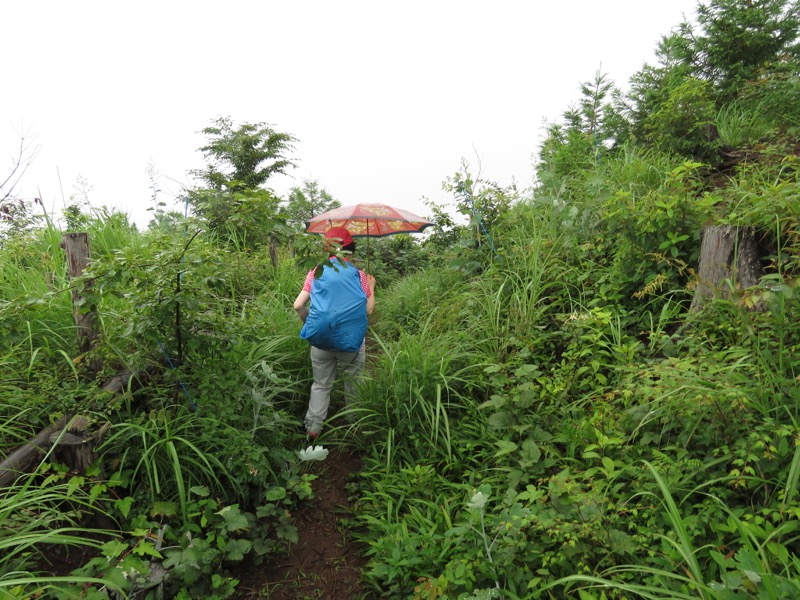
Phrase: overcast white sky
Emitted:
{"points": [[385, 97]]}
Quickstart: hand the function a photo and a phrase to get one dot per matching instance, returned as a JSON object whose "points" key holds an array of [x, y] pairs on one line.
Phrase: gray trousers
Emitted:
{"points": [[324, 364]]}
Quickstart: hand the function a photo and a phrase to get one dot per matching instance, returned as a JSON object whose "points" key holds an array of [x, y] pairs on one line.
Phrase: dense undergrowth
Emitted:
{"points": [[545, 415]]}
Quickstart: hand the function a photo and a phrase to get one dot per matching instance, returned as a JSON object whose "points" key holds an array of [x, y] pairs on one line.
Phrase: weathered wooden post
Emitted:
{"points": [[76, 247]]}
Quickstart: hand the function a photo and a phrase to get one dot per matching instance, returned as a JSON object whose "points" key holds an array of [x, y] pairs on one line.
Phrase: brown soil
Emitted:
{"points": [[324, 563]]}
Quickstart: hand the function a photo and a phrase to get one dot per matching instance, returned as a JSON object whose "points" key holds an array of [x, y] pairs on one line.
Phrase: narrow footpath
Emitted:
{"points": [[324, 563]]}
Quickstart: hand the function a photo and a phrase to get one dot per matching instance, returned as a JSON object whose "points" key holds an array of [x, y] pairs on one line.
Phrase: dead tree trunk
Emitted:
{"points": [[729, 260], [76, 247]]}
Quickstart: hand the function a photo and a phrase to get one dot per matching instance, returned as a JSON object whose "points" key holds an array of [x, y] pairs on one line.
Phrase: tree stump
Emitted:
{"points": [[729, 260], [73, 447], [72, 450]]}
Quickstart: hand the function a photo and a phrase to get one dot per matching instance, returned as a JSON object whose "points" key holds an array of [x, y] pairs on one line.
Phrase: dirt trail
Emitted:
{"points": [[324, 563]]}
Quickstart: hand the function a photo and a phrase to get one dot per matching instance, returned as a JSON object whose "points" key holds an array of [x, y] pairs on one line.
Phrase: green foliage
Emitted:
{"points": [[740, 125], [590, 130], [248, 219], [541, 415], [38, 513], [308, 201], [192, 556], [705, 66], [433, 299], [239, 162], [764, 194], [408, 512], [775, 93], [244, 157], [683, 123], [394, 258], [482, 203], [157, 452], [415, 395], [736, 39]]}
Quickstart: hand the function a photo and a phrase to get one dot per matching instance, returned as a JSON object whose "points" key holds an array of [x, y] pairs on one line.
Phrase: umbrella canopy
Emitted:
{"points": [[368, 220]]}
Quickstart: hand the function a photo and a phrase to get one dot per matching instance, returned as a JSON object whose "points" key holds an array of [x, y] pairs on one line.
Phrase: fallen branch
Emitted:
{"points": [[25, 457]]}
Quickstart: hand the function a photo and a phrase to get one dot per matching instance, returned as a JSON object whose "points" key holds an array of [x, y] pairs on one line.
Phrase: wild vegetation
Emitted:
{"points": [[547, 413]]}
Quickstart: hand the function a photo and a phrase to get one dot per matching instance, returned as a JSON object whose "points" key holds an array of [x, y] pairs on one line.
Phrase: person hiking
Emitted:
{"points": [[335, 325]]}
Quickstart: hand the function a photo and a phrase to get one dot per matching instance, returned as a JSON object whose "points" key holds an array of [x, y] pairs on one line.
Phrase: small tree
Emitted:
{"points": [[590, 130], [233, 200], [243, 158], [308, 201], [684, 122]]}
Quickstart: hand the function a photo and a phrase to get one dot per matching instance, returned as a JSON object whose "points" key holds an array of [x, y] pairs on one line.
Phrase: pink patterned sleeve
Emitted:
{"points": [[310, 280], [365, 284]]}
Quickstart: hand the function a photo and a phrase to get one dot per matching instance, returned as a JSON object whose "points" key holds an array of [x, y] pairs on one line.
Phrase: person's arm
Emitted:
{"points": [[371, 298], [300, 305]]}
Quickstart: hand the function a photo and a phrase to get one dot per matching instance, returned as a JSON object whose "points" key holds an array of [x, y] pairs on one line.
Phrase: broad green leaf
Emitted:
{"points": [[505, 447]]}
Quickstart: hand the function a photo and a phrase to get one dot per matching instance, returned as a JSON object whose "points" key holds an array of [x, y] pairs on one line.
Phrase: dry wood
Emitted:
{"points": [[76, 247], [23, 458], [728, 260], [73, 450], [119, 382]]}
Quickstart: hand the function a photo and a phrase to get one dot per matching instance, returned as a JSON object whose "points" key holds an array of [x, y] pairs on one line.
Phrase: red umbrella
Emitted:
{"points": [[368, 220]]}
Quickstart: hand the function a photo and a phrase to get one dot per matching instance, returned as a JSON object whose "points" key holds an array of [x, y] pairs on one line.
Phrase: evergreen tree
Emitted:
{"points": [[738, 38], [595, 126], [308, 201], [703, 66]]}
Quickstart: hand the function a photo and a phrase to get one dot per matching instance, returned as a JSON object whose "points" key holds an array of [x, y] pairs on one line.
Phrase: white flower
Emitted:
{"points": [[478, 501], [313, 453]]}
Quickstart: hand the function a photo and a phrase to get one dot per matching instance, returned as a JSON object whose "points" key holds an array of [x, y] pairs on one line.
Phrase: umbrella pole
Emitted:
{"points": [[367, 245]]}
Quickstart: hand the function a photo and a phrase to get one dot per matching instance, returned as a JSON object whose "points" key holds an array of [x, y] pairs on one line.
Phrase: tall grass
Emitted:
{"points": [[169, 452], [511, 304], [741, 124], [36, 515], [418, 389], [404, 519], [435, 299], [637, 170]]}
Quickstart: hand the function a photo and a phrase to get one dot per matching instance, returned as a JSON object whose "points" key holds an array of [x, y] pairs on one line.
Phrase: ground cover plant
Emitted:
{"points": [[550, 410]]}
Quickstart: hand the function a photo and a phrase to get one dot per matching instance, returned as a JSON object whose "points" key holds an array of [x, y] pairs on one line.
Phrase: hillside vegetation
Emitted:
{"points": [[561, 402]]}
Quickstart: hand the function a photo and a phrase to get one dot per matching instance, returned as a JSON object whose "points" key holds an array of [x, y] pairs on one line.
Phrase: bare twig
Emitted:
{"points": [[26, 153]]}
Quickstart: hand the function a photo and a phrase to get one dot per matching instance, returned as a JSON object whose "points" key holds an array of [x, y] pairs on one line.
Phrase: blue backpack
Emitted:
{"points": [[337, 318]]}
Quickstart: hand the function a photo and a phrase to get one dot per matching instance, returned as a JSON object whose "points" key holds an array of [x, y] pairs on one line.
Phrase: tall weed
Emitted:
{"points": [[740, 125], [42, 516], [417, 393]]}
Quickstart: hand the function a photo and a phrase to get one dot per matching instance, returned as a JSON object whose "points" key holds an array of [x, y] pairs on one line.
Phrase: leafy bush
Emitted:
{"points": [[684, 123]]}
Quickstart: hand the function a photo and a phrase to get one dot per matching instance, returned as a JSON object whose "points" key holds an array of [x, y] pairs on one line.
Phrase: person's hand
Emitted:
{"points": [[371, 281]]}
